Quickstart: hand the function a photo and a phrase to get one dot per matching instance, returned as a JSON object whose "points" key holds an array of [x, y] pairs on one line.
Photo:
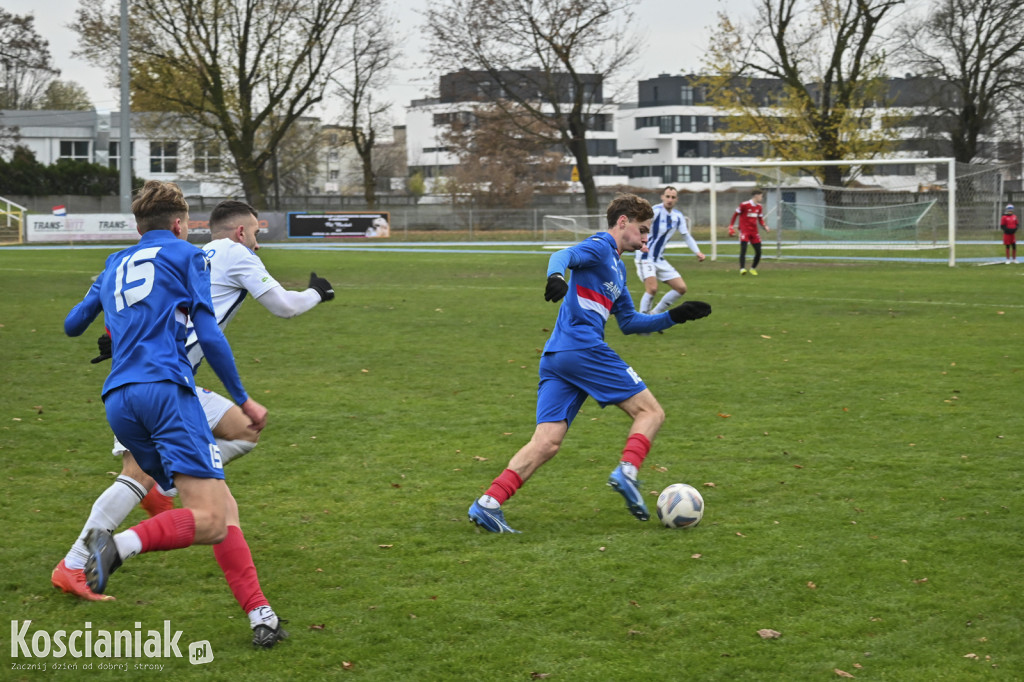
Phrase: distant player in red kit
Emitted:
{"points": [[751, 215], [1009, 226]]}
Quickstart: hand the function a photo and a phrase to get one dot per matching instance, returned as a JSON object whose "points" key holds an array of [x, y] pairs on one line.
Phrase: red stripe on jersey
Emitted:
{"points": [[595, 296]]}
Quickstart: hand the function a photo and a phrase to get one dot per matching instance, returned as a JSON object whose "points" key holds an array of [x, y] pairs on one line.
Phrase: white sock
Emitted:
{"points": [[666, 301], [629, 469], [234, 449], [488, 502], [128, 544], [645, 302], [170, 492], [263, 615], [109, 511]]}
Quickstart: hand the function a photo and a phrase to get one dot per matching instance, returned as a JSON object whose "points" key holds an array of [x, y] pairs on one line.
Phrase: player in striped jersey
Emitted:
{"points": [[577, 361], [651, 264]]}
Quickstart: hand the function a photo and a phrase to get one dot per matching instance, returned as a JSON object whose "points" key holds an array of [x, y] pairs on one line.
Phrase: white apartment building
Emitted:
{"points": [[198, 167], [462, 92]]}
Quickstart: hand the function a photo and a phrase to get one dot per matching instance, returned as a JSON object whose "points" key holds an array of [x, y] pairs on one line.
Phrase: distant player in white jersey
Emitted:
{"points": [[235, 272], [651, 266]]}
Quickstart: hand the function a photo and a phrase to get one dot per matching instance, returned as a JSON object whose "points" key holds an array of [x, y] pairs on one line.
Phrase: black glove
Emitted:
{"points": [[322, 286], [556, 288], [690, 310], [105, 349]]}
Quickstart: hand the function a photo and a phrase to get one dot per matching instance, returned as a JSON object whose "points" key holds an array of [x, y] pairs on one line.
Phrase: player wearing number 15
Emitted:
{"points": [[148, 293], [577, 361]]}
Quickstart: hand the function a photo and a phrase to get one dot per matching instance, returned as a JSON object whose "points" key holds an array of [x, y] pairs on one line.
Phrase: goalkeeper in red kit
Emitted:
{"points": [[751, 216], [1009, 225]]}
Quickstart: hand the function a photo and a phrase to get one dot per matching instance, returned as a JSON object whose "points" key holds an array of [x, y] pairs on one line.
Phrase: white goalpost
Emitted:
{"points": [[876, 213]]}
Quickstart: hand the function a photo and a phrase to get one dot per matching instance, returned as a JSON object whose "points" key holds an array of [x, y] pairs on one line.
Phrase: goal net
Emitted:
{"points": [[562, 228], [899, 209]]}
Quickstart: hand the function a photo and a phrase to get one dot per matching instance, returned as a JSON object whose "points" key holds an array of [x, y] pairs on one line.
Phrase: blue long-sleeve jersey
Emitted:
{"points": [[148, 293], [597, 289]]}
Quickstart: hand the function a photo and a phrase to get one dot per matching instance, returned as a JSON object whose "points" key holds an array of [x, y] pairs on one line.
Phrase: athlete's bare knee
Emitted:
{"points": [[131, 469], [211, 525]]}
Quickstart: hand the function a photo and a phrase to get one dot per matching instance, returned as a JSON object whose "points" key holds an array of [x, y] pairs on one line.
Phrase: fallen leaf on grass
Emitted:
{"points": [[633, 603], [765, 336], [921, 580], [539, 676], [723, 415], [812, 585], [479, 458], [321, 626], [766, 633], [346, 665], [973, 657], [385, 546], [710, 485], [843, 673], [695, 556]]}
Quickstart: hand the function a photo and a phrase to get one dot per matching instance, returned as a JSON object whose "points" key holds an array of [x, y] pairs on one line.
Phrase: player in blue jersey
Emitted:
{"points": [[577, 361], [651, 264], [148, 294], [236, 272]]}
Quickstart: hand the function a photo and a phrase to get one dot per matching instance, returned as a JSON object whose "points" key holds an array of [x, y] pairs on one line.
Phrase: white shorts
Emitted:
{"points": [[214, 405], [661, 268]]}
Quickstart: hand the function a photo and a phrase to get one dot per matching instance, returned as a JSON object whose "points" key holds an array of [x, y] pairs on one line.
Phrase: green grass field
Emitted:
{"points": [[855, 430]]}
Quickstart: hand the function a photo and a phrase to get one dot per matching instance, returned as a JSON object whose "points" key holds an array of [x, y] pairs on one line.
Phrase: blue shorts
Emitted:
{"points": [[567, 377], [164, 427]]}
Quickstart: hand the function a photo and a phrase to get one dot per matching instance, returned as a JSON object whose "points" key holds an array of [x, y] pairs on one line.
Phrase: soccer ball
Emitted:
{"points": [[680, 506]]}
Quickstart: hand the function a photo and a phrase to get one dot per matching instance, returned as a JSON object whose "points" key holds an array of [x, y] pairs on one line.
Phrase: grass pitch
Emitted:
{"points": [[853, 428]]}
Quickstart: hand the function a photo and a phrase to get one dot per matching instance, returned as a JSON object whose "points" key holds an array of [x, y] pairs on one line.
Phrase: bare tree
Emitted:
{"points": [[499, 165], [826, 58], [976, 50], [26, 69], [548, 59], [368, 54], [248, 70]]}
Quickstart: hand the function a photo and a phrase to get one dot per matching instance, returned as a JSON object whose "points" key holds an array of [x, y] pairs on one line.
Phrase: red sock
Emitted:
{"points": [[235, 560], [637, 447], [156, 502], [173, 529], [505, 486]]}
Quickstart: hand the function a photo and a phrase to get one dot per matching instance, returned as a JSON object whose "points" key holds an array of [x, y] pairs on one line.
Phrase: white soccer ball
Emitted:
{"points": [[680, 506]]}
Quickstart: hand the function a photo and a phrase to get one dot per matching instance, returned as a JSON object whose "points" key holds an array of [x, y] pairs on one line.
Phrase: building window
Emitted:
{"points": [[163, 157], [602, 147], [334, 174], [206, 157], [114, 158], [686, 95], [76, 150]]}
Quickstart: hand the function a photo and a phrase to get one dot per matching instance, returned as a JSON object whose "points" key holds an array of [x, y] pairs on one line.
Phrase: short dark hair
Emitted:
{"points": [[157, 204], [226, 211], [636, 209], [667, 188], [756, 191]]}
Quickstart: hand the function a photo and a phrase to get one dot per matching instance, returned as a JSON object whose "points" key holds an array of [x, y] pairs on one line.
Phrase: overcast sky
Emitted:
{"points": [[674, 43]]}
